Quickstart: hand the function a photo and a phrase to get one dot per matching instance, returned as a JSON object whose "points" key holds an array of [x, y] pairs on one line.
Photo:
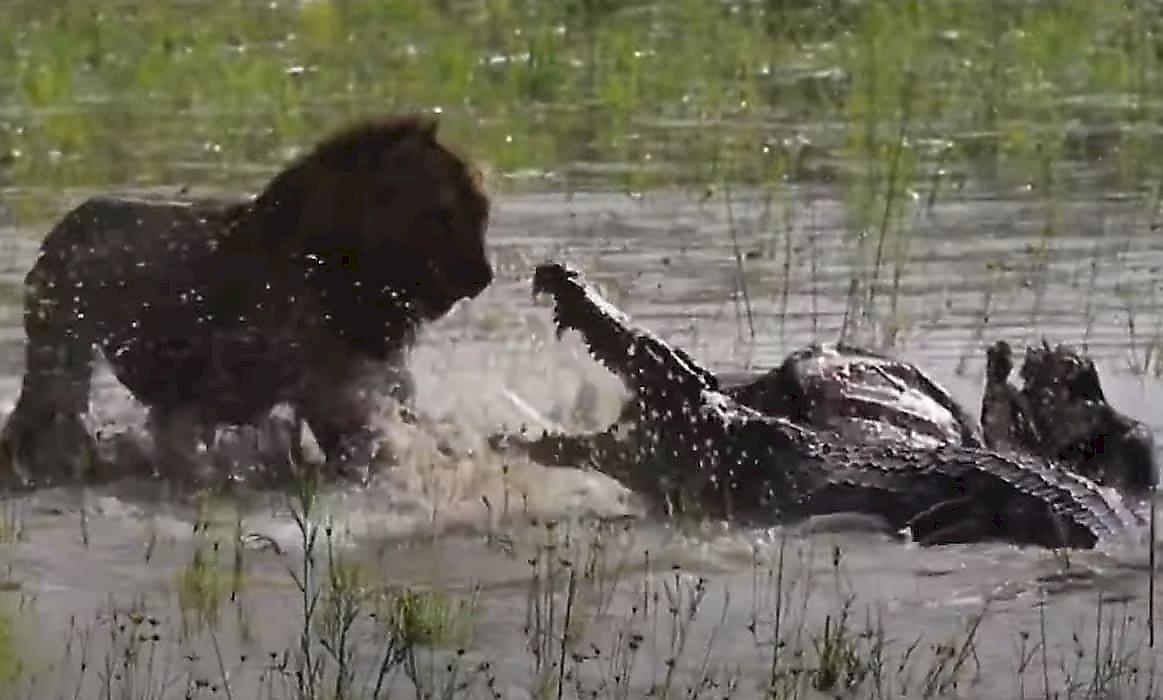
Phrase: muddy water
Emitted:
{"points": [[731, 281]]}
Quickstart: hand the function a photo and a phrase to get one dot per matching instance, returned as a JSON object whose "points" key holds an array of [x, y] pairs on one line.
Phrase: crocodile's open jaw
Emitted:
{"points": [[636, 355], [735, 461]]}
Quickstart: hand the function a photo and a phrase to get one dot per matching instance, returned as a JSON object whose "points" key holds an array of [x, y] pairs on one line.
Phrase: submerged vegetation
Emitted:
{"points": [[894, 106], [602, 615]]}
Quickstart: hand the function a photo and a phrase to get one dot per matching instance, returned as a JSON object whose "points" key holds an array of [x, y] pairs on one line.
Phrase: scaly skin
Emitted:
{"points": [[860, 395], [745, 465]]}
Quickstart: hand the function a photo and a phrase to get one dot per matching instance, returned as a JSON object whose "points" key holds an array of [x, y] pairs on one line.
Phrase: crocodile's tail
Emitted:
{"points": [[639, 358], [938, 492]]}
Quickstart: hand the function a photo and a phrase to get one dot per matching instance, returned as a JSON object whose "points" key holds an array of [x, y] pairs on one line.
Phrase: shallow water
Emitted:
{"points": [[668, 259]]}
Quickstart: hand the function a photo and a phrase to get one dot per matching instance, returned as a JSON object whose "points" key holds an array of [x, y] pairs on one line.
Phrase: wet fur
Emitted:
{"points": [[211, 312], [1061, 413]]}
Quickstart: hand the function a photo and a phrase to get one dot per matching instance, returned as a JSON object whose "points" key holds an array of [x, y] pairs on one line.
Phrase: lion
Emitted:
{"points": [[213, 311]]}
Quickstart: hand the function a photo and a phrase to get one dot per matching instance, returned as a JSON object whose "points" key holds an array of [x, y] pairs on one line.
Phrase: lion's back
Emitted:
{"points": [[113, 257], [118, 240], [125, 227]]}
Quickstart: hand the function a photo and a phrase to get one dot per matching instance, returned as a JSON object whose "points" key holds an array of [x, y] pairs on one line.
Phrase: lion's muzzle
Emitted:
{"points": [[461, 279]]}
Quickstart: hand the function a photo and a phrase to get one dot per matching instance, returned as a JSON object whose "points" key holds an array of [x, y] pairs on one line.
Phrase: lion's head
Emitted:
{"points": [[389, 224]]}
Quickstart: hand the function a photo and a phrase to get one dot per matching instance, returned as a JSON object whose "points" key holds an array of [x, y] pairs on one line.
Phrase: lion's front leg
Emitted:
{"points": [[341, 417], [350, 446]]}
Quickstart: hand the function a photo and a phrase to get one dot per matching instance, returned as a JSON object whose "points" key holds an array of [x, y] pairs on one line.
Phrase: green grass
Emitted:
{"points": [[96, 96], [896, 103]]}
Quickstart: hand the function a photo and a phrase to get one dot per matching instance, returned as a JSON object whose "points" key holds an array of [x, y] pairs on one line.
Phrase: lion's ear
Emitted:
{"points": [[416, 131], [426, 127]]}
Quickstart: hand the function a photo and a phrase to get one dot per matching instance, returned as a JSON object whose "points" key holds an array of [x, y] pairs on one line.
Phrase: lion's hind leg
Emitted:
{"points": [[45, 440]]}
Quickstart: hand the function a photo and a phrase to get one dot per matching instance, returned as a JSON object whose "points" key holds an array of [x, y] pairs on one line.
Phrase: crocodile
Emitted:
{"points": [[1061, 413], [864, 396], [856, 393], [697, 443]]}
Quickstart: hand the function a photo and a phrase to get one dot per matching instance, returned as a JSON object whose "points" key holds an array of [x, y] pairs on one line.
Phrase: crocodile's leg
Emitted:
{"points": [[939, 517], [957, 532], [953, 521]]}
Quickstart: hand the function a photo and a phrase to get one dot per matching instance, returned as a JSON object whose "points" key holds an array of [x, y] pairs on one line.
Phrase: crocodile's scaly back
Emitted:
{"points": [[861, 395]]}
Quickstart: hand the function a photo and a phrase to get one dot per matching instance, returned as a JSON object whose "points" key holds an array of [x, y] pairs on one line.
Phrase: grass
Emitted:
{"points": [[1015, 91], [897, 104]]}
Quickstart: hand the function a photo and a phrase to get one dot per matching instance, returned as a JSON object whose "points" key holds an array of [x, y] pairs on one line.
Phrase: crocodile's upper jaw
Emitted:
{"points": [[642, 360]]}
